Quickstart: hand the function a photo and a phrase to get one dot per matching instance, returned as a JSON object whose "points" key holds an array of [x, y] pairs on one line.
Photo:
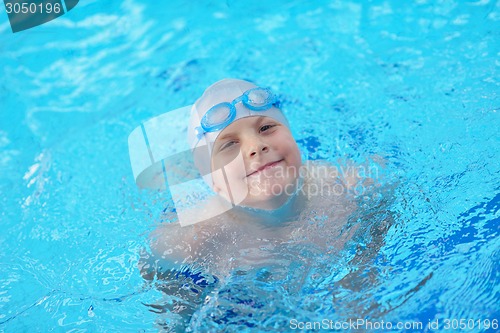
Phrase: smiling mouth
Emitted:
{"points": [[264, 167]]}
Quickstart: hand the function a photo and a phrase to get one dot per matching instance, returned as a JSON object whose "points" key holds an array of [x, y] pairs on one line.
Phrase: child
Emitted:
{"points": [[269, 205], [242, 145]]}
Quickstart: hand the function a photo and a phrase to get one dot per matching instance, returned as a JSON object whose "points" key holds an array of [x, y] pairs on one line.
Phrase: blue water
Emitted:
{"points": [[415, 83]]}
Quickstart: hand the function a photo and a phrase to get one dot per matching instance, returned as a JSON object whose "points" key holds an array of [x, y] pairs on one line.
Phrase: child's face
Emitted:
{"points": [[270, 157]]}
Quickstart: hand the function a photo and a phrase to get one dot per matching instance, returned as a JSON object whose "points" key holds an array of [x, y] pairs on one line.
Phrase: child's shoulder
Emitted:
{"points": [[319, 172], [320, 168], [178, 243], [171, 242], [343, 172]]}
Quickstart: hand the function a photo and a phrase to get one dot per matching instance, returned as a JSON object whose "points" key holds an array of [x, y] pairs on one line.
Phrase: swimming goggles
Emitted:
{"points": [[221, 115]]}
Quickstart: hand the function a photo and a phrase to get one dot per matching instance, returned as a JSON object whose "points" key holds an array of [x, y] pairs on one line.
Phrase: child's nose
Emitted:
{"points": [[257, 147]]}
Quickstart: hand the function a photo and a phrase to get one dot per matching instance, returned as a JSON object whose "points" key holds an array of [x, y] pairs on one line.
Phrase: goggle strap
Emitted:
{"points": [[199, 132]]}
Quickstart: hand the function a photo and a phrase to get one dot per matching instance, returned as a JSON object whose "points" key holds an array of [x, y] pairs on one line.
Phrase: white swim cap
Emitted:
{"points": [[228, 92]]}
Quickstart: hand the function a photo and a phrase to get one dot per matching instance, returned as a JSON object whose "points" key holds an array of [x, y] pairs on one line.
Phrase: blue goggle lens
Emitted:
{"points": [[259, 98], [218, 117]]}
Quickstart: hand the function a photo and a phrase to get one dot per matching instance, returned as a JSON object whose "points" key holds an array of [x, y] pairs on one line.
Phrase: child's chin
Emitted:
{"points": [[271, 184]]}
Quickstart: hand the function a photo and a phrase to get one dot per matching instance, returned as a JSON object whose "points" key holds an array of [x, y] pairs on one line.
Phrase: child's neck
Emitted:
{"points": [[289, 211]]}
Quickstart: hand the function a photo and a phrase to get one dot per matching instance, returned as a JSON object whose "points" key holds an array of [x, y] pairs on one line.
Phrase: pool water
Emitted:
{"points": [[414, 84]]}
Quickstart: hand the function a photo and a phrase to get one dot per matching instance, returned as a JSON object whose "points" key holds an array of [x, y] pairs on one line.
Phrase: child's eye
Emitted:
{"points": [[266, 127], [227, 144]]}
